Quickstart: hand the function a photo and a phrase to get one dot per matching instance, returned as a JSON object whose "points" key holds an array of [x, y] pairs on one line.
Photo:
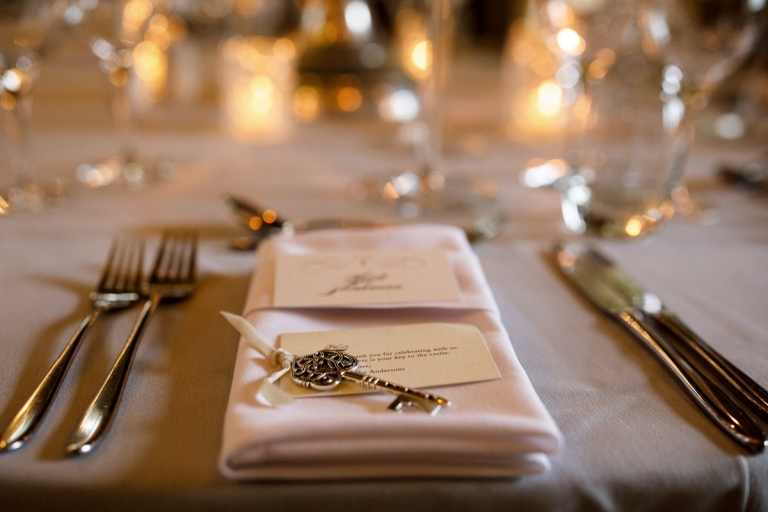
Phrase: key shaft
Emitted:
{"points": [[406, 396]]}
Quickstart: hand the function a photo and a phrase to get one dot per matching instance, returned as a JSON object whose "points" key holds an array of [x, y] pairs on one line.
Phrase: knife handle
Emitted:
{"points": [[712, 399], [756, 396]]}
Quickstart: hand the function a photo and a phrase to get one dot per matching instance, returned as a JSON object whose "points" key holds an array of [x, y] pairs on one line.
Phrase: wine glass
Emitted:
{"points": [[423, 186], [127, 36], [603, 94], [24, 25], [700, 43]]}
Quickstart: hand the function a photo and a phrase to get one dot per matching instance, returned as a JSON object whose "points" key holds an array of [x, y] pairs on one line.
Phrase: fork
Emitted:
{"points": [[173, 277], [487, 227], [118, 288]]}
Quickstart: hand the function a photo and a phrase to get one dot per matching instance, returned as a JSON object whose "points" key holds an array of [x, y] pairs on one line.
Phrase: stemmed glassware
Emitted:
{"points": [[24, 26], [603, 92], [119, 32], [423, 187], [631, 115], [700, 43]]}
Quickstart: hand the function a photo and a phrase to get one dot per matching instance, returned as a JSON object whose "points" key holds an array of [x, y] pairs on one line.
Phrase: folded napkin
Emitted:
{"points": [[495, 428]]}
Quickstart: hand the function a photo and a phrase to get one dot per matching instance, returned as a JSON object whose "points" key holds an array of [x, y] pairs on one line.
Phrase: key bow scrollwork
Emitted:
{"points": [[322, 370]]}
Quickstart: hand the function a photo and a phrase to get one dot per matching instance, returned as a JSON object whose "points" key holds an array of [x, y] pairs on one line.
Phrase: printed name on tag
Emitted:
{"points": [[419, 355], [370, 277]]}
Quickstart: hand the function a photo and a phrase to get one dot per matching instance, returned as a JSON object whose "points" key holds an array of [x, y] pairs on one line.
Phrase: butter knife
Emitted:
{"points": [[605, 286], [263, 223], [254, 218]]}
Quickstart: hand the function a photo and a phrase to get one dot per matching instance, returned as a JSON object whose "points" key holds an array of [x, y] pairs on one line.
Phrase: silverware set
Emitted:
{"points": [[121, 286], [729, 397], [262, 223]]}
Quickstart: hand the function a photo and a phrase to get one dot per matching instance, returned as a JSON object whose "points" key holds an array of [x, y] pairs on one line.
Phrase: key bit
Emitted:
{"points": [[428, 407]]}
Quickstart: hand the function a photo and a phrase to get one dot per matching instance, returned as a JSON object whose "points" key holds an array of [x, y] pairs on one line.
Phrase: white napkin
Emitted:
{"points": [[497, 428]]}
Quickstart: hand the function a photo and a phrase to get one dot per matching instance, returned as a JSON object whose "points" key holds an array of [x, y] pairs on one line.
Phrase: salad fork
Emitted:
{"points": [[172, 277], [118, 288]]}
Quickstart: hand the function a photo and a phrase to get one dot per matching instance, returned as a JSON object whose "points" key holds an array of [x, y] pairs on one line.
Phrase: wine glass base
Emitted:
{"points": [[413, 196], [30, 196], [619, 227], [120, 171], [689, 208]]}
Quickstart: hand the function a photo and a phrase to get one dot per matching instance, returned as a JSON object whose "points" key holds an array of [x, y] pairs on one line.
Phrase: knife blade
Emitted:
{"points": [[263, 223], [254, 218], [609, 289]]}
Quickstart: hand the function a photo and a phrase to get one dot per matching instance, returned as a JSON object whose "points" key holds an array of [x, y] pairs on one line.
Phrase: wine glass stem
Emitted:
{"points": [[122, 116], [682, 135], [682, 142], [15, 131], [428, 148]]}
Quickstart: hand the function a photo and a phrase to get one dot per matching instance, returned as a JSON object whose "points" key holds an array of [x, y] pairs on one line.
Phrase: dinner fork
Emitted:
{"points": [[172, 277], [118, 288]]}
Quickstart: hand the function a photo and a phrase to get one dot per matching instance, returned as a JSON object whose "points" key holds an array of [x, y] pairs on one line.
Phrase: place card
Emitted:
{"points": [[418, 355], [369, 277]]}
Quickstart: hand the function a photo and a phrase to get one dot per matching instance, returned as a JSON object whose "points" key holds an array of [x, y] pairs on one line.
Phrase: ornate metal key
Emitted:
{"points": [[326, 369]]}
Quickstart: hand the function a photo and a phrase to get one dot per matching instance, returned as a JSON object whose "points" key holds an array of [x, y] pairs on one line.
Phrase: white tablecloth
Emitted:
{"points": [[632, 438]]}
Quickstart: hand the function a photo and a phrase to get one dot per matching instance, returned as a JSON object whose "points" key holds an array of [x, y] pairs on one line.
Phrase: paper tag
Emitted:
{"points": [[371, 277], [419, 355]]}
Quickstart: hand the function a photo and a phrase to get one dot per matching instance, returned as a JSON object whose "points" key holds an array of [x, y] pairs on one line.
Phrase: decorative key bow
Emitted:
{"points": [[325, 370]]}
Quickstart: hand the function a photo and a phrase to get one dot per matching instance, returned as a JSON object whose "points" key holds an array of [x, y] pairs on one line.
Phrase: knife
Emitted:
{"points": [[254, 218], [608, 288], [753, 394], [263, 223]]}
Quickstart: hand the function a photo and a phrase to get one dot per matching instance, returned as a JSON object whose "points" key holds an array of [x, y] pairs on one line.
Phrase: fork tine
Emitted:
{"points": [[177, 257], [130, 275], [157, 273], [124, 268], [187, 262], [122, 272], [487, 227], [178, 260], [139, 268], [193, 258], [108, 267]]}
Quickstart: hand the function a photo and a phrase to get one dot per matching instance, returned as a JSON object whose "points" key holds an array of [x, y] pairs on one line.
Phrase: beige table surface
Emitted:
{"points": [[633, 441]]}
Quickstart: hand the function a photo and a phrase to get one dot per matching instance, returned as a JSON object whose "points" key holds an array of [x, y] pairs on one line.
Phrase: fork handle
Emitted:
{"points": [[95, 423], [18, 432]]}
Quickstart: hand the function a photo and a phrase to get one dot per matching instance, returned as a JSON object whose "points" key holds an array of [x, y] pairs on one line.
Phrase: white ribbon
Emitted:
{"points": [[280, 359]]}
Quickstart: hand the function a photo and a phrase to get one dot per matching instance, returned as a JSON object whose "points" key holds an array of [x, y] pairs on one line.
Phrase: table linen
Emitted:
{"points": [[633, 442]]}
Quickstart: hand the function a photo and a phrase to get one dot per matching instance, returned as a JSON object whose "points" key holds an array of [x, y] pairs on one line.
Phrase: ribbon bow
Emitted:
{"points": [[280, 359]]}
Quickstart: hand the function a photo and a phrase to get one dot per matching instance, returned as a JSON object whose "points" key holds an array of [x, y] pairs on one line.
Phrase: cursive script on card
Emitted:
{"points": [[363, 277], [364, 282]]}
